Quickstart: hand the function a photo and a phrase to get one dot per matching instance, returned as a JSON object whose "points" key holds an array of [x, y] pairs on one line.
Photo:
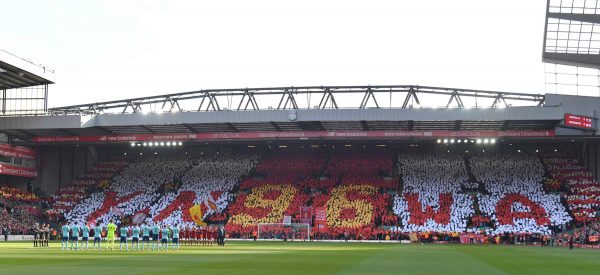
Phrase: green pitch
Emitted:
{"points": [[303, 258]]}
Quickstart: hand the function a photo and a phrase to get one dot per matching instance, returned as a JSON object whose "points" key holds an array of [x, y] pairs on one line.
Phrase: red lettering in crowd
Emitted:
{"points": [[418, 216], [505, 214], [183, 201], [110, 201]]}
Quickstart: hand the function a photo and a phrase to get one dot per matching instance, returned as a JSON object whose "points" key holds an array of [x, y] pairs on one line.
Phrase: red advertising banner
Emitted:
{"points": [[577, 121], [26, 172], [295, 134], [17, 151], [321, 218]]}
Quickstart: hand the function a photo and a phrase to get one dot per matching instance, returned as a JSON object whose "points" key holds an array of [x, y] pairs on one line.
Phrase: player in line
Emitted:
{"points": [[165, 239], [145, 236], [123, 235], [64, 245], [97, 236], [85, 231], [175, 239], [74, 236], [155, 240], [110, 234], [135, 237]]}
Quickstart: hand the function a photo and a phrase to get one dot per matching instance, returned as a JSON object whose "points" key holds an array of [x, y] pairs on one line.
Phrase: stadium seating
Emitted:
{"points": [[19, 210], [348, 184], [274, 191], [17, 220], [583, 197], [15, 194], [207, 183], [67, 197], [515, 199], [132, 190], [432, 198], [361, 190]]}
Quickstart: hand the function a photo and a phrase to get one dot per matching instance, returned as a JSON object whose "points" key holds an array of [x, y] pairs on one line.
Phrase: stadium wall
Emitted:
{"points": [[591, 157], [59, 165], [578, 105]]}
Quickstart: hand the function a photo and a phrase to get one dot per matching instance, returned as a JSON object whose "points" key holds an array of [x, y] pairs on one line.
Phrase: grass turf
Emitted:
{"points": [[302, 258]]}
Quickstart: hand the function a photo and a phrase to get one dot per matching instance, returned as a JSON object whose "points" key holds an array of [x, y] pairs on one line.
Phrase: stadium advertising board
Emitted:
{"points": [[26, 172], [578, 121], [295, 134], [17, 151]]}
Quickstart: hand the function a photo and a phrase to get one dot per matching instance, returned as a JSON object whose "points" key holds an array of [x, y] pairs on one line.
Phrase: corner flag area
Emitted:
{"points": [[304, 258]]}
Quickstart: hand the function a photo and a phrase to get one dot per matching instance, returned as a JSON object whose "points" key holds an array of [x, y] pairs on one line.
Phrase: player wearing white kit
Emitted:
{"points": [[97, 235], [85, 231]]}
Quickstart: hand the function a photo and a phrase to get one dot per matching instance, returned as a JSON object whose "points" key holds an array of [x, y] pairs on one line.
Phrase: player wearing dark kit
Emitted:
{"points": [[37, 231], [221, 236]]}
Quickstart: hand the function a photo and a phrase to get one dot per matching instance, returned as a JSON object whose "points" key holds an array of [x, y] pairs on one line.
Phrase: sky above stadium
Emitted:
{"points": [[106, 50]]}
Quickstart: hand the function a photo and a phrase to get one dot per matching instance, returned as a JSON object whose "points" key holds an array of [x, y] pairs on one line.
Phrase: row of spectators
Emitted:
{"points": [[16, 194]]}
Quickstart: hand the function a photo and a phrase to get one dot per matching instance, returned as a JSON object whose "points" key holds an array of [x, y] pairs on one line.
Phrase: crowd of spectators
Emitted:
{"points": [[133, 189], [16, 194], [208, 183], [352, 184], [15, 217], [431, 199], [69, 196], [583, 192], [514, 195], [439, 193]]}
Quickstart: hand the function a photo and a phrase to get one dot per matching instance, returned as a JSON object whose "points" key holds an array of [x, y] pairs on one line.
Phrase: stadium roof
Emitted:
{"points": [[16, 72], [572, 34], [403, 111]]}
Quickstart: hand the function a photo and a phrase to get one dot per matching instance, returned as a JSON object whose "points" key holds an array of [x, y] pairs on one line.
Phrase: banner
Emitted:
{"points": [[295, 134], [321, 218], [17, 151], [138, 218], [306, 214], [287, 220], [26, 172]]}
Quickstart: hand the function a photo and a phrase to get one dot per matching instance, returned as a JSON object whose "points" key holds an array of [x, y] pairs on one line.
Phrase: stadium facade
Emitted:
{"points": [[70, 139]]}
